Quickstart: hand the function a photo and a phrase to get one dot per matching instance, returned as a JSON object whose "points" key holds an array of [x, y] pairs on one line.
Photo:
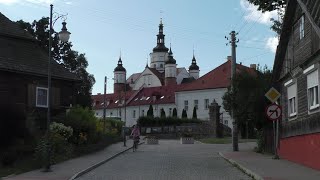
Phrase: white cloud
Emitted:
{"points": [[272, 43], [8, 2], [252, 13]]}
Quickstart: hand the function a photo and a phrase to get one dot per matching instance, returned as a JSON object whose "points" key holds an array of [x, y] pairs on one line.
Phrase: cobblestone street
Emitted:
{"points": [[166, 161]]}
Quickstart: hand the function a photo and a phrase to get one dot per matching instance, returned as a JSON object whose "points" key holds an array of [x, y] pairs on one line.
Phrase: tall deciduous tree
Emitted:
{"points": [[271, 5], [247, 99], [65, 55]]}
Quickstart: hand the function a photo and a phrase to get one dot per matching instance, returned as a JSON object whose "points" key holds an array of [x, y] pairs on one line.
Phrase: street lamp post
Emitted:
{"points": [[64, 36]]}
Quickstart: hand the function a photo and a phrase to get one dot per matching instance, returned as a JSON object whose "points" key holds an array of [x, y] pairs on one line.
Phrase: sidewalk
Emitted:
{"points": [[65, 170], [261, 166]]}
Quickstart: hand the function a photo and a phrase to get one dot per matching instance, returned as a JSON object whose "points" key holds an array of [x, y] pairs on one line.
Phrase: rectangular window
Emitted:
{"points": [[196, 102], [313, 92], [301, 27], [134, 113], [42, 97], [186, 105], [206, 103], [292, 100]]}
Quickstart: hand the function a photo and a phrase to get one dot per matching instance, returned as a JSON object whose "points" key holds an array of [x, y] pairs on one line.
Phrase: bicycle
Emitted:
{"points": [[135, 144]]}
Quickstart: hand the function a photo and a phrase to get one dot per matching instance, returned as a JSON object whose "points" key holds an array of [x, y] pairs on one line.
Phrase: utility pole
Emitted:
{"points": [[104, 103], [233, 42]]}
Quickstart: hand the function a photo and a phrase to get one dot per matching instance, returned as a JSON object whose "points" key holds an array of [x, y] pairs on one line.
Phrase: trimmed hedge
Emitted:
{"points": [[167, 121]]}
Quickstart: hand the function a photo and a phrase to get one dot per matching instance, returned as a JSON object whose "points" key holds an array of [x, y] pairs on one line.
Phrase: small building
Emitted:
{"points": [[296, 75], [24, 76]]}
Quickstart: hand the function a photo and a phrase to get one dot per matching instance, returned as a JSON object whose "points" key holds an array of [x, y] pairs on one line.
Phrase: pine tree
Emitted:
{"points": [[194, 114], [150, 111], [174, 113], [184, 114], [163, 113]]}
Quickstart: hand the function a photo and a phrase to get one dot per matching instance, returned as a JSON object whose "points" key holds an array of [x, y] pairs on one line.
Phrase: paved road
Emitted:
{"points": [[169, 160]]}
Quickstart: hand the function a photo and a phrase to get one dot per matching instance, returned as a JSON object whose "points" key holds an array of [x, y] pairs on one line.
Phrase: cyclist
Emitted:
{"points": [[135, 134]]}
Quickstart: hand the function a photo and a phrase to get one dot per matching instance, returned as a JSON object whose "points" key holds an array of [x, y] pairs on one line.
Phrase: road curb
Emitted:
{"points": [[242, 168], [80, 173]]}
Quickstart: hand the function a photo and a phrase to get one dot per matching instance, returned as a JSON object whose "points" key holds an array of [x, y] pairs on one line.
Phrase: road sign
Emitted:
{"points": [[273, 112], [273, 95]]}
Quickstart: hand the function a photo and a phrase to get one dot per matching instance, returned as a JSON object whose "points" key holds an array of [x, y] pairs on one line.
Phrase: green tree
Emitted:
{"points": [[194, 113], [247, 99], [271, 5], [174, 113], [162, 113], [150, 111], [184, 114], [65, 55]]}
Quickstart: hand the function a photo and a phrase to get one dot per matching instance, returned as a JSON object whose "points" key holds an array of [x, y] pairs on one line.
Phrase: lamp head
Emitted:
{"points": [[64, 34]]}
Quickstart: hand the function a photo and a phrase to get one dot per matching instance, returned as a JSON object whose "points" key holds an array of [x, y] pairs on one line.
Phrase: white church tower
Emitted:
{"points": [[119, 77], [159, 54]]}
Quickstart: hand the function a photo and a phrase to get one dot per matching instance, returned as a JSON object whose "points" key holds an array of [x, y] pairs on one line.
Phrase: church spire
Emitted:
{"points": [[160, 40]]}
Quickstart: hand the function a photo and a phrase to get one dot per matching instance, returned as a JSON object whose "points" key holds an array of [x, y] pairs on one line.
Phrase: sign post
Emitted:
{"points": [[273, 113]]}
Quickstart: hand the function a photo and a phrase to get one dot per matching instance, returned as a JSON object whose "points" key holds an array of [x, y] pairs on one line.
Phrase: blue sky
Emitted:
{"points": [[100, 29]]}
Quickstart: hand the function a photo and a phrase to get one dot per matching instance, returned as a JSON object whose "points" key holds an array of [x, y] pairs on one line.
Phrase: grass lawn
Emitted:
{"points": [[225, 140]]}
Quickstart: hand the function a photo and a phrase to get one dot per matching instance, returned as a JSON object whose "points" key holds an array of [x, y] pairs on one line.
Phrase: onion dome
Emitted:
{"points": [[160, 40], [194, 65], [119, 67], [171, 60]]}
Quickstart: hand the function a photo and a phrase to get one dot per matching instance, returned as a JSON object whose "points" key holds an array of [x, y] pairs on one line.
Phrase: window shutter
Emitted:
{"points": [[313, 79], [31, 95], [56, 97], [292, 91]]}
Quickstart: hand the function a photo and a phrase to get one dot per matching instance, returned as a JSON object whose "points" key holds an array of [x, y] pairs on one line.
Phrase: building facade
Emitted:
{"points": [[164, 86], [296, 74]]}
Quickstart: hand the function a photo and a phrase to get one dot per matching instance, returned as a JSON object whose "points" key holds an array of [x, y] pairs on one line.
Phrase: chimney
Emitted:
{"points": [[253, 66], [229, 58]]}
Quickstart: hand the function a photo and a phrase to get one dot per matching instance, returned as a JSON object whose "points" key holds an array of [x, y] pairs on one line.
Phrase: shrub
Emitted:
{"points": [[61, 129], [82, 120], [57, 146], [8, 157]]}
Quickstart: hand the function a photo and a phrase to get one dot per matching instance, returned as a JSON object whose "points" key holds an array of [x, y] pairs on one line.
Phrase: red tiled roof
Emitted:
{"points": [[112, 98], [217, 78], [155, 95]]}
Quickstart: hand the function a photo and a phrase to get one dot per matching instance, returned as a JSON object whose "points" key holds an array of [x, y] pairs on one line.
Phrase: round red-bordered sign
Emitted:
{"points": [[273, 112]]}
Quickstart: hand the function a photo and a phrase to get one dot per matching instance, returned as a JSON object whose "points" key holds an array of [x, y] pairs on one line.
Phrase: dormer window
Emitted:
{"points": [[162, 97], [301, 27], [148, 98], [116, 101]]}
